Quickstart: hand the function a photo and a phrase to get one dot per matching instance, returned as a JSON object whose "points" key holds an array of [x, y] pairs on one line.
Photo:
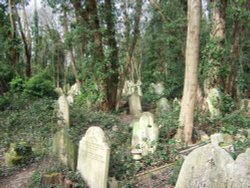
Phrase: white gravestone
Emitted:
{"points": [[145, 134], [63, 112], [93, 158]]}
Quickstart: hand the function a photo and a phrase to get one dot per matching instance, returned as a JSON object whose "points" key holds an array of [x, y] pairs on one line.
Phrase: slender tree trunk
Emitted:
{"points": [[29, 40], [130, 50], [230, 87], [69, 52], [26, 45], [184, 133]]}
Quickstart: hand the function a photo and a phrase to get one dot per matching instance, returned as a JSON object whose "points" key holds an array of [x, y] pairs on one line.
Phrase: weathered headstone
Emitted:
{"points": [[158, 88], [162, 105], [238, 172], [135, 104], [65, 149], [145, 134], [93, 158], [63, 112], [204, 167], [213, 99]]}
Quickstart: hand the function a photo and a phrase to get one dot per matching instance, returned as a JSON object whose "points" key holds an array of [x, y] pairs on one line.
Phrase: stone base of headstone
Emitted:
{"points": [[65, 149]]}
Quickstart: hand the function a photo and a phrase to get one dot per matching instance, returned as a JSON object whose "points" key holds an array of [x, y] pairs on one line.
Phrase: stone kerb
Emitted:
{"points": [[93, 158]]}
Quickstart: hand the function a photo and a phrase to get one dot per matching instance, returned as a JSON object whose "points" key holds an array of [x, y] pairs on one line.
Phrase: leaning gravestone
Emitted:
{"points": [[93, 158], [63, 112], [145, 134]]}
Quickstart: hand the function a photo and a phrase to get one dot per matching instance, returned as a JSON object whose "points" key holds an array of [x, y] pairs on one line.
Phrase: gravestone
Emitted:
{"points": [[213, 99], [158, 88], [93, 158], [63, 112], [73, 91], [65, 149], [145, 134], [162, 105], [204, 167]]}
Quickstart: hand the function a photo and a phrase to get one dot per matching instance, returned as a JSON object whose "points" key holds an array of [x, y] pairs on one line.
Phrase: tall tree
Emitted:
{"points": [[112, 64], [184, 133]]}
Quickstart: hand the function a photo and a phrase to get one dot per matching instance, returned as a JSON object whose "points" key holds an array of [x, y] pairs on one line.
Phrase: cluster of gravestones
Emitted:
{"points": [[91, 159]]}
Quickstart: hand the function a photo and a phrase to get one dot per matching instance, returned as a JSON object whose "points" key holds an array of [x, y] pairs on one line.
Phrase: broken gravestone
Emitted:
{"points": [[93, 158], [145, 134]]}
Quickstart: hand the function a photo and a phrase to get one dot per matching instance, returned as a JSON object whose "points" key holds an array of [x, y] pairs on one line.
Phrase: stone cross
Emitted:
{"points": [[93, 158]]}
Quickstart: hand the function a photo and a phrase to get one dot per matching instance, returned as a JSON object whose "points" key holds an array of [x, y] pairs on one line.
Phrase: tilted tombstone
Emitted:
{"points": [[63, 112], [93, 158], [145, 134]]}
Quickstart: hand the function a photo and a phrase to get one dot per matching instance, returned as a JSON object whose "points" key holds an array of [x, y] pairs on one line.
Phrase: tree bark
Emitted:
{"points": [[112, 80], [184, 133]]}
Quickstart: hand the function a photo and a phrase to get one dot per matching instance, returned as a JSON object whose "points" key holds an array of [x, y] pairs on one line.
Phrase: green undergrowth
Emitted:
{"points": [[28, 120]]}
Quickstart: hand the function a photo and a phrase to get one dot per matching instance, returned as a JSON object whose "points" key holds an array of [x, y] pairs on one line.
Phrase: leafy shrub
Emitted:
{"points": [[39, 85], [227, 104], [17, 84], [232, 123]]}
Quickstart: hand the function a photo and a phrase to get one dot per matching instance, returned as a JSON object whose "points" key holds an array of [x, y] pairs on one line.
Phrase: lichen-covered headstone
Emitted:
{"points": [[145, 133], [93, 158], [63, 112], [18, 153]]}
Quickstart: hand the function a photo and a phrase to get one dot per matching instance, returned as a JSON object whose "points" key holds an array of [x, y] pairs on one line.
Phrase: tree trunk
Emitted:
{"points": [[184, 133], [130, 49], [69, 52], [26, 44], [230, 86], [112, 80], [29, 40], [217, 37]]}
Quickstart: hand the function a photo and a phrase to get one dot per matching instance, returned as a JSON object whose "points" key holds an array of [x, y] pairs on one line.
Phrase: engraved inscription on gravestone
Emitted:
{"points": [[93, 158]]}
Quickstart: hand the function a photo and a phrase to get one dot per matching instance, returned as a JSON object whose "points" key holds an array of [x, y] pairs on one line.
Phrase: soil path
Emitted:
{"points": [[19, 179]]}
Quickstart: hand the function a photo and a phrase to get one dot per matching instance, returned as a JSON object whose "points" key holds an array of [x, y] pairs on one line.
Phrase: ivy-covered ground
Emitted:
{"points": [[34, 121]]}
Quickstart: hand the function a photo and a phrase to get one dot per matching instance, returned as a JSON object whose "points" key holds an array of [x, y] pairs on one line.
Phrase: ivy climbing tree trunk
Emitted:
{"points": [[215, 54], [184, 133], [112, 77]]}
